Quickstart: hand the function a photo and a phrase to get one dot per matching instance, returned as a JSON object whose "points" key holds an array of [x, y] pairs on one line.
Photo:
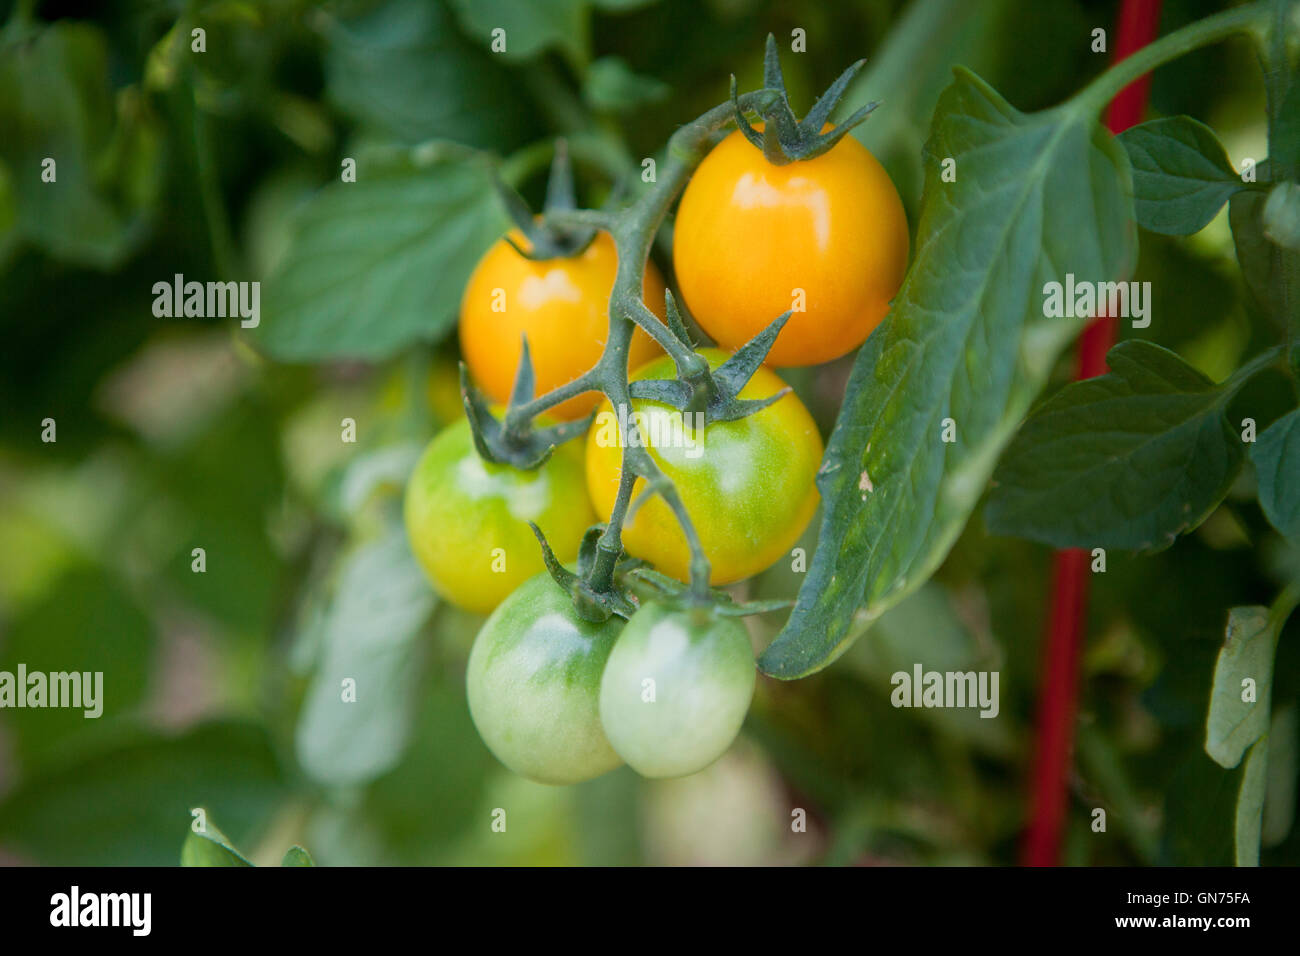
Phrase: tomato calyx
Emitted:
{"points": [[515, 441], [713, 392], [786, 139], [716, 601], [591, 603], [547, 238]]}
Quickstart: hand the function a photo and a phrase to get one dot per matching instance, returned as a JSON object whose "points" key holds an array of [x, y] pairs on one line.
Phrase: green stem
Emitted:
{"points": [[1252, 17], [517, 418], [634, 233], [1265, 359]]}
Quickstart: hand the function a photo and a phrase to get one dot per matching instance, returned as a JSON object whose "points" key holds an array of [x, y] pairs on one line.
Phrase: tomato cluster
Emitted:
{"points": [[560, 698]]}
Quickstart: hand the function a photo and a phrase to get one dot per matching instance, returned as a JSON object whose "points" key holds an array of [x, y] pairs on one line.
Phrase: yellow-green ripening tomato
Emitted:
{"points": [[467, 519], [749, 485], [533, 682]]}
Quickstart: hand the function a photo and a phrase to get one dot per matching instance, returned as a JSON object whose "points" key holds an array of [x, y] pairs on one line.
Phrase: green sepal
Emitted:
{"points": [[715, 392], [786, 139], [527, 448], [546, 239], [591, 605]]}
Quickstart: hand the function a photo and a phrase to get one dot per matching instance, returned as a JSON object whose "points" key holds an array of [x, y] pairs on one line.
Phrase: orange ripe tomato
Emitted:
{"points": [[749, 235], [562, 305]]}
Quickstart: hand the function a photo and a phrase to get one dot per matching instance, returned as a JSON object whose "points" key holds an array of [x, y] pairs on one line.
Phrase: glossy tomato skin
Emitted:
{"points": [[749, 233], [702, 668], [533, 682], [562, 305], [749, 485], [467, 519]]}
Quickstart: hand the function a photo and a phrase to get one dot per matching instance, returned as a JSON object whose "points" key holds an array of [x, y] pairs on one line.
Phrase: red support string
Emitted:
{"points": [[1058, 706]]}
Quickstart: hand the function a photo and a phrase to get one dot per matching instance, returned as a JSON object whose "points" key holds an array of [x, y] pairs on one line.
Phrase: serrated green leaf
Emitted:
{"points": [[380, 263], [1244, 669], [369, 637], [297, 856], [210, 849], [1036, 195], [1181, 174], [1250, 804], [383, 67], [1276, 456], [1130, 459]]}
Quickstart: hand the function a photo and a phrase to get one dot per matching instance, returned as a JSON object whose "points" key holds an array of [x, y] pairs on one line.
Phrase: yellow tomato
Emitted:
{"points": [[753, 240], [563, 307]]}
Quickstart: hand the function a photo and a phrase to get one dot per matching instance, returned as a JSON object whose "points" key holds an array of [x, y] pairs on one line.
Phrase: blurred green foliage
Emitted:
{"points": [[222, 687]]}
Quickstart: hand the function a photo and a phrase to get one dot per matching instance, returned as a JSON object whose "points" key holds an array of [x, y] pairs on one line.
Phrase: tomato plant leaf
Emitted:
{"points": [[1181, 174], [297, 856], [1130, 459], [1243, 682], [210, 848], [963, 353], [1250, 804], [1272, 271], [351, 733], [1276, 456], [1280, 795], [382, 65], [380, 263]]}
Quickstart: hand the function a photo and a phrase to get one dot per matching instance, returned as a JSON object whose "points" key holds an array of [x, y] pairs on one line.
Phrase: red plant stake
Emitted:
{"points": [[1138, 20]]}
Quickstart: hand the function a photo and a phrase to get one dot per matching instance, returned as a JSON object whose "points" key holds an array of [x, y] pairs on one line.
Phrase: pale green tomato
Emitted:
{"points": [[676, 689], [533, 682]]}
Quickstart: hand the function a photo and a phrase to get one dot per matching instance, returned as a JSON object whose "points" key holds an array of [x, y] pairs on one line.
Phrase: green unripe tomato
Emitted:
{"points": [[533, 682], [702, 667], [467, 519]]}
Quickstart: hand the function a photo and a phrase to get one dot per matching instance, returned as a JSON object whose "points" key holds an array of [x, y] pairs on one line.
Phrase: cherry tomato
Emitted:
{"points": [[467, 519], [749, 234], [676, 689], [749, 485], [563, 307], [533, 681]]}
